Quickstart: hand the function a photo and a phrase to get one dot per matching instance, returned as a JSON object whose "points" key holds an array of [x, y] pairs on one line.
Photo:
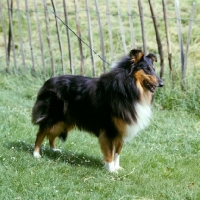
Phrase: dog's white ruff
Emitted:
{"points": [[143, 118]]}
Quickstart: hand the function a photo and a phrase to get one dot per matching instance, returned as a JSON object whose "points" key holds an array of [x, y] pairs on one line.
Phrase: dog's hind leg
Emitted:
{"points": [[52, 144], [39, 138], [107, 148], [57, 130]]}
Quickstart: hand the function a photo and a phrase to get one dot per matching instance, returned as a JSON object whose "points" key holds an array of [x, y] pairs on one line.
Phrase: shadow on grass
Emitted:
{"points": [[69, 157]]}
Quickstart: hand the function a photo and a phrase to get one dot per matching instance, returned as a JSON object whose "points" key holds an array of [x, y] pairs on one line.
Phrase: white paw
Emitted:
{"points": [[110, 167], [36, 154], [119, 168], [116, 162], [58, 150]]}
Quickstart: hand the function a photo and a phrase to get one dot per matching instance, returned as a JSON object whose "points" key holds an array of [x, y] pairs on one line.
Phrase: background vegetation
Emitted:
{"points": [[185, 10], [162, 162]]}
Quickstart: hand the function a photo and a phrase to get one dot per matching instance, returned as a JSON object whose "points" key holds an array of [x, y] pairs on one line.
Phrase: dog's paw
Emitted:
{"points": [[118, 168], [36, 154], [57, 150], [111, 167]]}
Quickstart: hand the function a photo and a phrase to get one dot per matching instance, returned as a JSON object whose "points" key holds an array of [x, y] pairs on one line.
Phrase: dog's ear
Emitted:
{"points": [[152, 56], [136, 55]]}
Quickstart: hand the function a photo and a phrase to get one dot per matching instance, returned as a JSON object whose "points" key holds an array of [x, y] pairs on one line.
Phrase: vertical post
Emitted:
{"points": [[168, 40], [131, 24], [11, 35], [68, 39], [121, 28], [48, 38], [20, 36], [59, 40], [110, 29], [4, 37], [178, 20], [142, 26], [101, 34], [40, 37], [160, 49], [79, 35], [188, 38], [90, 38], [30, 38]]}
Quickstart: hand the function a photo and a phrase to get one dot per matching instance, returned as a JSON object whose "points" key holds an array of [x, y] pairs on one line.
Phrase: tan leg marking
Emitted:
{"points": [[39, 139], [107, 147], [54, 132]]}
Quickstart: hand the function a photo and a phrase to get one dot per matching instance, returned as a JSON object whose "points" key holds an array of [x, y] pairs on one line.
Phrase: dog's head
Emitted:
{"points": [[143, 70]]}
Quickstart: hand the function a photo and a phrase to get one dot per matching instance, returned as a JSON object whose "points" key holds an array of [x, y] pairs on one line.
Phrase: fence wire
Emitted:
{"points": [[39, 15]]}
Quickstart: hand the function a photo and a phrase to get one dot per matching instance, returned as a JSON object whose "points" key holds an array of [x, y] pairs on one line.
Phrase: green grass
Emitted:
{"points": [[162, 162]]}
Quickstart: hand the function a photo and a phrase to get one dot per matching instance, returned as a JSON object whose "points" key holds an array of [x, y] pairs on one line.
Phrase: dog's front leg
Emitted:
{"points": [[118, 147], [108, 149]]}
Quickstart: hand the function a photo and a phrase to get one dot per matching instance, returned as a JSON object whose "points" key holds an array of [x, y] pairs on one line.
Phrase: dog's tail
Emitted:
{"points": [[41, 108], [48, 108]]}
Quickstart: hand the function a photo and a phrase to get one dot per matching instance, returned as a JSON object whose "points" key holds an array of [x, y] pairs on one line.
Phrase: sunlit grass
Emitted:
{"points": [[162, 162]]}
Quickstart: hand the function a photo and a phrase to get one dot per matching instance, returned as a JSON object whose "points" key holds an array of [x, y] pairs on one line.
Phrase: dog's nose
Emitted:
{"points": [[161, 84]]}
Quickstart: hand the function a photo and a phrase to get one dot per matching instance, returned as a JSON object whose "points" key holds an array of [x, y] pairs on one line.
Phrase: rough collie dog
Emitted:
{"points": [[114, 107]]}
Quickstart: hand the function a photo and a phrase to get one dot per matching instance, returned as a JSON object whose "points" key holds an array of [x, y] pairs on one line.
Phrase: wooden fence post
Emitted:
{"points": [[160, 49], [68, 39], [110, 29], [188, 38], [142, 26], [121, 28], [79, 36], [168, 41], [48, 39], [90, 38], [20, 36], [178, 20], [33, 71], [58, 34], [11, 35], [131, 24], [40, 37], [101, 34], [4, 37]]}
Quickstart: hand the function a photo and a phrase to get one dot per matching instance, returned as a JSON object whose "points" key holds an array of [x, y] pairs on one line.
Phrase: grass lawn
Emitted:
{"points": [[162, 162]]}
